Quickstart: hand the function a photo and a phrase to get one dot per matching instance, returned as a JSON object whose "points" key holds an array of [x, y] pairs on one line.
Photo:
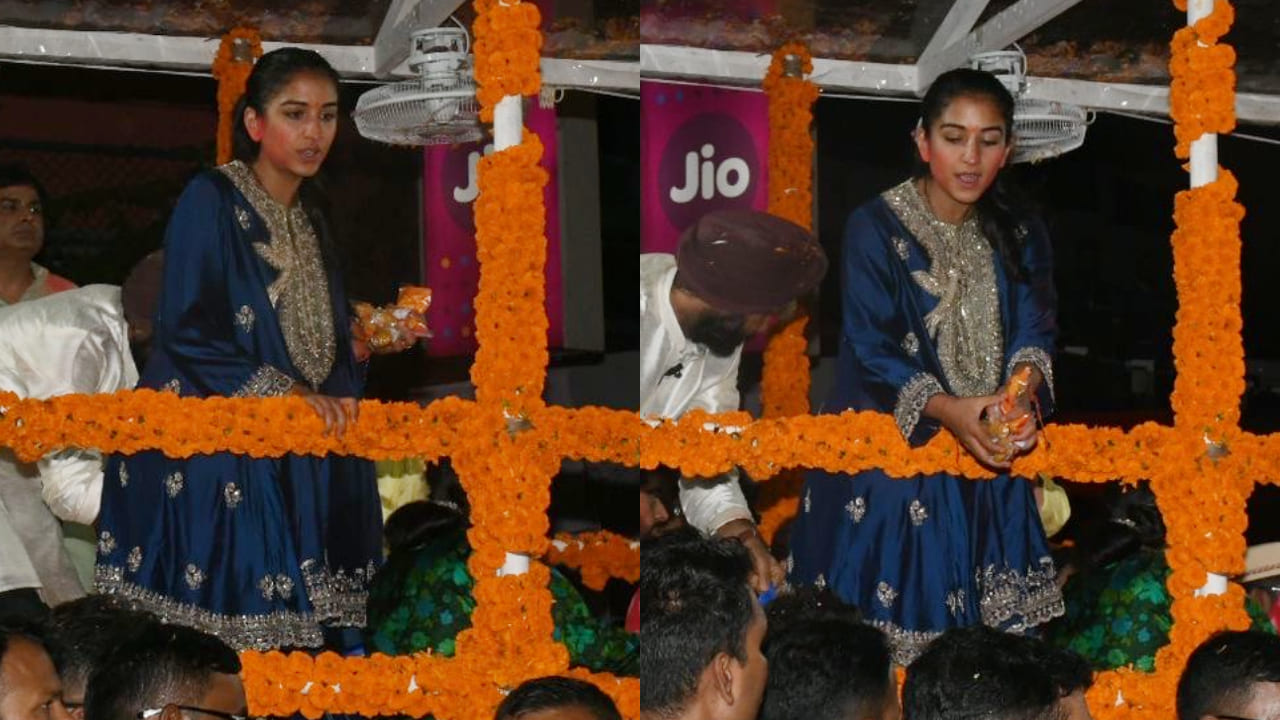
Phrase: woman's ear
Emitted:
{"points": [[253, 124], [922, 144]]}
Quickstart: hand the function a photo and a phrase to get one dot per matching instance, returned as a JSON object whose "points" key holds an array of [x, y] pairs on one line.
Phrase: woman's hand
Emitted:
{"points": [[963, 417], [337, 413], [766, 570]]}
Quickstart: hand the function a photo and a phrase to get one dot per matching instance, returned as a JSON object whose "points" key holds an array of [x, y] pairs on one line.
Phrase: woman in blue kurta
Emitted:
{"points": [[946, 291], [261, 552]]}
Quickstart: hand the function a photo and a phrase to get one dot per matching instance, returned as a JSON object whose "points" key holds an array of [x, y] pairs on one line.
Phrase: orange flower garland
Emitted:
{"points": [[785, 382], [508, 51], [1202, 88], [232, 74], [598, 556]]}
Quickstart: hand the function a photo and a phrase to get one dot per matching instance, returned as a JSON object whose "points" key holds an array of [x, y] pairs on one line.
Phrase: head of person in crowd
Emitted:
{"points": [[30, 688], [81, 633], [659, 503], [22, 214], [737, 268], [825, 664], [1233, 676], [444, 513], [977, 671], [167, 672], [963, 142], [1070, 674], [701, 631], [140, 296], [1127, 522], [557, 698]]}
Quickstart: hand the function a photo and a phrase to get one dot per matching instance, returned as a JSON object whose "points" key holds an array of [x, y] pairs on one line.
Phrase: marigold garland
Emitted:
{"points": [[232, 74], [784, 384], [508, 51], [1202, 87], [598, 556]]}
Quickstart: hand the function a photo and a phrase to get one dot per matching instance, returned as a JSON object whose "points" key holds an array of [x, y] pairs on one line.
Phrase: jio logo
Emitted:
{"points": [[707, 165], [458, 178]]}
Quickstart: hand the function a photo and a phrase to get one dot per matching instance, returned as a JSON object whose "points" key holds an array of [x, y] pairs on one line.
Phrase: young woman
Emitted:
{"points": [[261, 552], [947, 293]]}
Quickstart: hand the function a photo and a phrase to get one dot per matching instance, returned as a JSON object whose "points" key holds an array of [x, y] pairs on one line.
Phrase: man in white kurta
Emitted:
{"points": [[734, 270], [71, 342]]}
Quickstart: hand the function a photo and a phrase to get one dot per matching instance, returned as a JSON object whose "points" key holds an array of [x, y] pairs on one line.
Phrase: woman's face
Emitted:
{"points": [[298, 124], [965, 149]]}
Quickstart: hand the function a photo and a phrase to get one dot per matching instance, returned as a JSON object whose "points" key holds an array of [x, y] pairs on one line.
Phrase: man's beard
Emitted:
{"points": [[721, 334]]}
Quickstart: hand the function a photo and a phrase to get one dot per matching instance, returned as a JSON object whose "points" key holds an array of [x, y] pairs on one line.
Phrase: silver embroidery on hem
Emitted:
{"points": [[1037, 357], [911, 401], [300, 291], [266, 381], [242, 632], [1026, 599], [965, 324]]}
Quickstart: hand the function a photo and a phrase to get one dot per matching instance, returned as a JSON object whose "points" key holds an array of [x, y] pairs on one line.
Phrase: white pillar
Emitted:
{"points": [[1204, 151]]}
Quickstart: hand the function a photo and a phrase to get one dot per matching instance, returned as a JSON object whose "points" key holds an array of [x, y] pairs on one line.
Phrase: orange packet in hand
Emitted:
{"points": [[381, 327], [1014, 412]]}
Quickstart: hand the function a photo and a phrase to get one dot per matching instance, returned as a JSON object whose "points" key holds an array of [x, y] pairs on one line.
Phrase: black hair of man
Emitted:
{"points": [[12, 175], [159, 665], [823, 663], [554, 692], [980, 672], [83, 631], [1220, 673], [696, 603]]}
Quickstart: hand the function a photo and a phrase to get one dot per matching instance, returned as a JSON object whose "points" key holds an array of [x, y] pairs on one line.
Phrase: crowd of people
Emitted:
{"points": [[710, 651]]}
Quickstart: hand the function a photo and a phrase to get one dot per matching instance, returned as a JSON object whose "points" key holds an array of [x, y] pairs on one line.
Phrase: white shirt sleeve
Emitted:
{"points": [[71, 485], [711, 503]]}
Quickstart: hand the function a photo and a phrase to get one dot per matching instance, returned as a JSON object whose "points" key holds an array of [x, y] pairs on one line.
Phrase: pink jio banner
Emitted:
{"points": [[449, 264], [702, 149]]}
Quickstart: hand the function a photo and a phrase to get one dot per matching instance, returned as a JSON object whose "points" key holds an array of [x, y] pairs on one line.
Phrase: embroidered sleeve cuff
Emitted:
{"points": [[1039, 358], [266, 381], [911, 401]]}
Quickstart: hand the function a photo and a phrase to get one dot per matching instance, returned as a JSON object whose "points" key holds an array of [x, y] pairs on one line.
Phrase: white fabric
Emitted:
{"points": [[70, 342], [702, 381]]}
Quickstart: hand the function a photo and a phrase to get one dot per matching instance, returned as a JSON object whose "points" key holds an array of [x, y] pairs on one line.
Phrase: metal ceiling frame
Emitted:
{"points": [[951, 44]]}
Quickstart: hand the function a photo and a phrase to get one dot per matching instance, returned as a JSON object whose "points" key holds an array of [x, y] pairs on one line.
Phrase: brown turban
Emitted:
{"points": [[748, 262]]}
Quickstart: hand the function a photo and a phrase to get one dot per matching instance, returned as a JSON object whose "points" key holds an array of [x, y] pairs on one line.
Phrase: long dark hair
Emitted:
{"points": [[1000, 207], [271, 73], [418, 523]]}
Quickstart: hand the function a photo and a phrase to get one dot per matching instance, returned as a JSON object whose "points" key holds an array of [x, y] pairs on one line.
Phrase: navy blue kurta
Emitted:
{"points": [[260, 552], [923, 554]]}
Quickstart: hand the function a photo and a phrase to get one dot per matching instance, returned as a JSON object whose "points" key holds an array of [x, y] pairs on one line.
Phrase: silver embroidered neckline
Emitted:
{"points": [[965, 324], [300, 292]]}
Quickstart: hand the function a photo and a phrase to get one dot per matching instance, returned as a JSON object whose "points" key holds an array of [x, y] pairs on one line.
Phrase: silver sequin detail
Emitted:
{"points": [[174, 386], [194, 577], [885, 594], [910, 344], [955, 602], [300, 291], [267, 585], [808, 502], [918, 513], [134, 561], [173, 484], [790, 563], [820, 582], [856, 508], [266, 381], [911, 401], [1028, 597], [901, 247], [965, 324], [244, 318], [232, 495], [106, 543], [242, 217], [284, 586], [123, 475]]}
